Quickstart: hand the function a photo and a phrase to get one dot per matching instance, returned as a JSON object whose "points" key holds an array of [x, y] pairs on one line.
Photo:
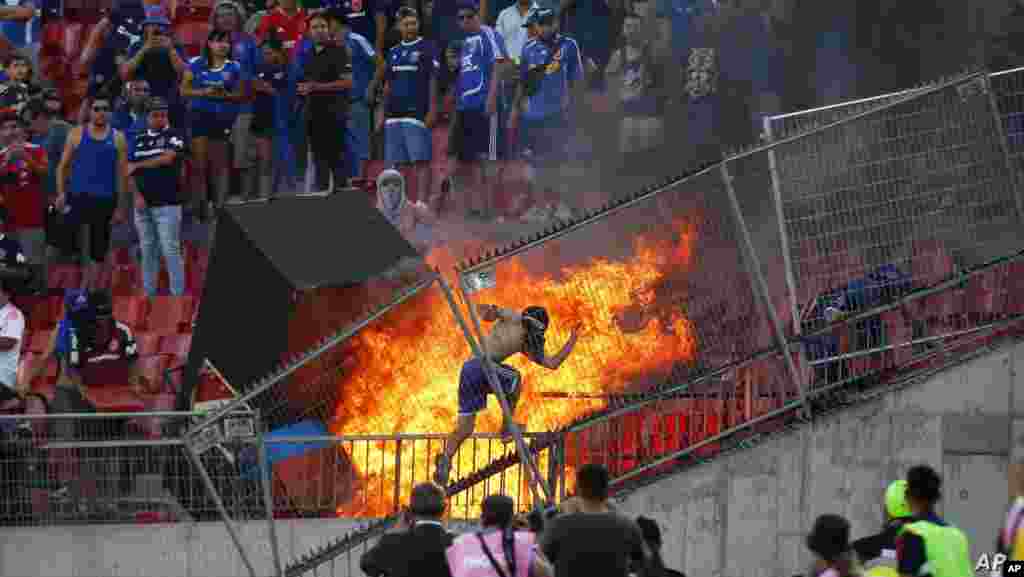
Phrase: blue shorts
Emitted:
{"points": [[474, 386], [212, 125], [544, 138], [407, 140], [475, 136]]}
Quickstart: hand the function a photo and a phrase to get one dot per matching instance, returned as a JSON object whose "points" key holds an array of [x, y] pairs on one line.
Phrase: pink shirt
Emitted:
{"points": [[467, 559]]}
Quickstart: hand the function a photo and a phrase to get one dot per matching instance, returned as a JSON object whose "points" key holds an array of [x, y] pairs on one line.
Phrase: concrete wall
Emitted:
{"points": [[744, 515], [747, 514]]}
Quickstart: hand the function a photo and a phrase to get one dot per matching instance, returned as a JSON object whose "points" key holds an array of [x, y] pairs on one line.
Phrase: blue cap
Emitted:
{"points": [[467, 5], [539, 15], [155, 16]]}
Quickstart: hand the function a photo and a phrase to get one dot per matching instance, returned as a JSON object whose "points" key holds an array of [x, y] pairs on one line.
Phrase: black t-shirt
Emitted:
{"points": [[871, 548], [328, 64], [159, 186], [263, 107], [156, 69], [593, 545], [125, 29]]}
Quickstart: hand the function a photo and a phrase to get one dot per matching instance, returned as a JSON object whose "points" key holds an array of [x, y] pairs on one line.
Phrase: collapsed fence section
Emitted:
{"points": [[882, 210]]}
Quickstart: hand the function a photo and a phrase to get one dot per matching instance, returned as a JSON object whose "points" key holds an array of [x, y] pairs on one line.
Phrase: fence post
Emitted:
{"points": [[524, 451], [787, 258], [761, 289], [268, 500], [215, 496], [398, 473]]}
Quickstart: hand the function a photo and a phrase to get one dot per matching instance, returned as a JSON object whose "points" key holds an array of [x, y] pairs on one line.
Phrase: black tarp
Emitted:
{"points": [[264, 257], [266, 253]]}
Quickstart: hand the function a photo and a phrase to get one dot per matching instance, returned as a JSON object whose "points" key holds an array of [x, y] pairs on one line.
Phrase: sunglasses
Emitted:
{"points": [[101, 109]]}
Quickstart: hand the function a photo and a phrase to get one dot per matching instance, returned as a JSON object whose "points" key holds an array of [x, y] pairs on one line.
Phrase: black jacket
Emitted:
{"points": [[418, 552]]}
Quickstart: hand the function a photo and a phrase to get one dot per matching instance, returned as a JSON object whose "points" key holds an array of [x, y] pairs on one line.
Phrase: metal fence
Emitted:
{"points": [[898, 212]]}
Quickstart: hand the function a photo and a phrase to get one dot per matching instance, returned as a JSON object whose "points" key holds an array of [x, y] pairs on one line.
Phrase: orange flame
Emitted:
{"points": [[389, 393]]}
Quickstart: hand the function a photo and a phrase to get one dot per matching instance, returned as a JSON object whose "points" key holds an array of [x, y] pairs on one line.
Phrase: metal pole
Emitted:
{"points": [[480, 352], [783, 233], [329, 343], [762, 289], [268, 501], [215, 496]]}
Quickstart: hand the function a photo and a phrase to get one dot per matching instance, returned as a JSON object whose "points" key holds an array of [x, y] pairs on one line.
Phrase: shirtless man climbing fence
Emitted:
{"points": [[512, 333]]}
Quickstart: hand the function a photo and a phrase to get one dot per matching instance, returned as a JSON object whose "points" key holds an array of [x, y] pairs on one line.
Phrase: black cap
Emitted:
{"points": [[498, 509], [156, 103]]}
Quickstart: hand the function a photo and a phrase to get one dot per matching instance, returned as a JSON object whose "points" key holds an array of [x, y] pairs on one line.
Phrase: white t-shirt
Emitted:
{"points": [[510, 25], [12, 325]]}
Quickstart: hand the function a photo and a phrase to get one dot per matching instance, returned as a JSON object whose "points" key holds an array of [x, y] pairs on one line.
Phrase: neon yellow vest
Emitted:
{"points": [[883, 566], [945, 548]]}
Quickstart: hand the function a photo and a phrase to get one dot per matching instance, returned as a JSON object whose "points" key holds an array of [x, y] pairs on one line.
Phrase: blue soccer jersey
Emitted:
{"points": [[479, 53], [408, 71], [364, 64], [562, 68], [204, 77]]}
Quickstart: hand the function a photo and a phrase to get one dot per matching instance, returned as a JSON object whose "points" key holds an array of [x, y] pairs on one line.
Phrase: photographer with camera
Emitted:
{"points": [[159, 61], [499, 550], [419, 549]]}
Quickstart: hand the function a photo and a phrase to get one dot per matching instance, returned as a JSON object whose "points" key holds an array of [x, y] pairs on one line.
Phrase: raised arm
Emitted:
{"points": [[556, 361]]}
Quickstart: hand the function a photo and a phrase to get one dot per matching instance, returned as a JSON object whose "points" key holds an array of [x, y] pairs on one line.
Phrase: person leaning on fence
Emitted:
{"points": [[418, 551], [89, 345], [498, 549]]}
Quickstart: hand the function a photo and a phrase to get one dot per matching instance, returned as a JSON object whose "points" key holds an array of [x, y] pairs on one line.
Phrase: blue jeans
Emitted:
{"points": [[159, 230]]}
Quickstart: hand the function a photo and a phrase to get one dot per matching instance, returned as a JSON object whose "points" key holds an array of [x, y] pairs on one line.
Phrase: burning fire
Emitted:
{"points": [[408, 363]]}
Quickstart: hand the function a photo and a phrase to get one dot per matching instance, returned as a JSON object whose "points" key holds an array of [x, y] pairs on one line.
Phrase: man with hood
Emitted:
{"points": [[513, 333], [413, 220], [230, 16], [877, 553], [130, 116]]}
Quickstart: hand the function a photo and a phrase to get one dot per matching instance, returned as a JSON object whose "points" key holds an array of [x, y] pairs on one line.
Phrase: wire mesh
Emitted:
{"points": [[908, 191], [100, 468]]}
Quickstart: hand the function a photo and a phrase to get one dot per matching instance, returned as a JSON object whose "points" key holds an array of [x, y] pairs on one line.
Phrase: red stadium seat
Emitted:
{"points": [[149, 343], [65, 277], [176, 345], [132, 311], [170, 315], [37, 341], [126, 280], [115, 399]]}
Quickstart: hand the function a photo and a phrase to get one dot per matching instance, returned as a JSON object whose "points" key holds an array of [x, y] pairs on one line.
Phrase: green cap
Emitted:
{"points": [[896, 500]]}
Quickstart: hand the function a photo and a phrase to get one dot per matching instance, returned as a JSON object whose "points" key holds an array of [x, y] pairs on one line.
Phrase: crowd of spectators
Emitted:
{"points": [[587, 535]]}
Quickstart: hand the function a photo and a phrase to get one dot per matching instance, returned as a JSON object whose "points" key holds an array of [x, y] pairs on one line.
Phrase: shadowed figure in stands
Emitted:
{"points": [[512, 333]]}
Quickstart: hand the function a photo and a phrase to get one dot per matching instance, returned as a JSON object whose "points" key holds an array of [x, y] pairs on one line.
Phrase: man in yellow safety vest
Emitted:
{"points": [[877, 553], [928, 545]]}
